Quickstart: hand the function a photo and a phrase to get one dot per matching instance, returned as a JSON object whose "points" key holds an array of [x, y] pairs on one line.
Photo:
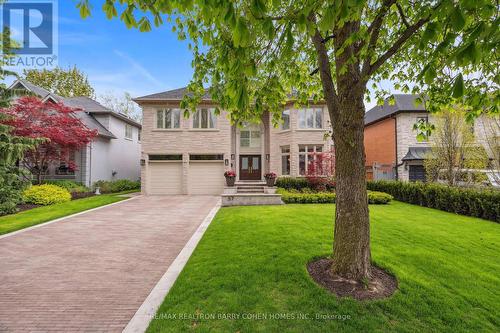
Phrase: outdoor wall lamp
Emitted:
{"points": [[226, 162], [143, 162], [267, 157], [232, 157]]}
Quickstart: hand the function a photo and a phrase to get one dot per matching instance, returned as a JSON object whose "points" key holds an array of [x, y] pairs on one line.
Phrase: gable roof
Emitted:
{"points": [[86, 104], [171, 95], [402, 103]]}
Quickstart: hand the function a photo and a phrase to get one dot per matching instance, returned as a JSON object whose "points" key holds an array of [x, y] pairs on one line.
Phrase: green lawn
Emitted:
{"points": [[28, 218], [252, 262]]}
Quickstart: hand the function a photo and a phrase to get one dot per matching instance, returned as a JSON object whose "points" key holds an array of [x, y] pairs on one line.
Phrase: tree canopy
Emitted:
{"points": [[253, 53], [70, 82]]}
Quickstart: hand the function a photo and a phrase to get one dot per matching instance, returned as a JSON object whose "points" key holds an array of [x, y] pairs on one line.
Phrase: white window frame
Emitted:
{"points": [[197, 119], [252, 138], [129, 132], [285, 125], [303, 113], [287, 154], [306, 153], [173, 111]]}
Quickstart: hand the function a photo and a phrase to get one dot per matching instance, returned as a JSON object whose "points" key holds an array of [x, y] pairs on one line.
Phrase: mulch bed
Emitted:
{"points": [[382, 284], [23, 207], [81, 195]]}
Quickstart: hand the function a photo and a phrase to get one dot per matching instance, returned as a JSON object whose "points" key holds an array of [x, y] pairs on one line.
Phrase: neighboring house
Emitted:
{"points": [[189, 155], [113, 154], [391, 146]]}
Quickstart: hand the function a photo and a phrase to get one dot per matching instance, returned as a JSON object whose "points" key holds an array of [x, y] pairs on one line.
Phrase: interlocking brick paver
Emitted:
{"points": [[93, 271]]}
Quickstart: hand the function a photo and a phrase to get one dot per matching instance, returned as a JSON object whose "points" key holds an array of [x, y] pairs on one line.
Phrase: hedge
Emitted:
{"points": [[71, 186], [482, 203], [304, 197], [120, 185]]}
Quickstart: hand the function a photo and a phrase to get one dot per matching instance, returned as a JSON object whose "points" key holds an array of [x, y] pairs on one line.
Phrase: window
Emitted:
{"points": [[286, 120], [66, 165], [422, 129], [168, 118], [307, 155], [139, 135], [311, 118], [165, 157], [215, 157], [285, 160], [204, 118], [128, 131], [250, 138]]}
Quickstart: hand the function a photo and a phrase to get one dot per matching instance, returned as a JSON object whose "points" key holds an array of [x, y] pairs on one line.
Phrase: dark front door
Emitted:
{"points": [[250, 167], [417, 173]]}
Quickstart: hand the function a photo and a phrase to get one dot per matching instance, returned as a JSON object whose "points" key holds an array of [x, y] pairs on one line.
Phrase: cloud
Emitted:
{"points": [[139, 69], [80, 38]]}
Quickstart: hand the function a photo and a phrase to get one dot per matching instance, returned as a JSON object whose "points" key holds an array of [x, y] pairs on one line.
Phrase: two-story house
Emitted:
{"points": [[189, 155], [391, 146], [113, 154]]}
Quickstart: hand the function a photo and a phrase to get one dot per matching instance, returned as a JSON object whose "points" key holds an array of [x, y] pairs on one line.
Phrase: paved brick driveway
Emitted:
{"points": [[93, 271]]}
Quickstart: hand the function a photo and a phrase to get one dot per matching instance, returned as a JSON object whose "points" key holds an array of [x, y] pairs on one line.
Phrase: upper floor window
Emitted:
{"points": [[139, 135], [168, 118], [422, 128], [250, 136], [311, 118], [285, 115], [128, 131], [204, 118]]}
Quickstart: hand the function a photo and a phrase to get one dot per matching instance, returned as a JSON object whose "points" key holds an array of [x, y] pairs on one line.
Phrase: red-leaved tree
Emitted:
{"points": [[320, 171], [56, 123]]}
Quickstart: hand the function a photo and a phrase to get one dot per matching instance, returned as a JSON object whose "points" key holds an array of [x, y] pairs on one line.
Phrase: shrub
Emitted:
{"points": [[308, 196], [289, 183], [120, 185], [46, 194], [12, 185], [71, 186], [482, 203], [379, 198]]}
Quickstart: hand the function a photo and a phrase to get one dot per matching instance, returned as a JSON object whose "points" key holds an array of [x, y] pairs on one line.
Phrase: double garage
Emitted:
{"points": [[198, 175]]}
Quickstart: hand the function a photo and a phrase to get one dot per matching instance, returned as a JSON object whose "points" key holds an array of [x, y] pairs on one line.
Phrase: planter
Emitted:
{"points": [[270, 181], [230, 181]]}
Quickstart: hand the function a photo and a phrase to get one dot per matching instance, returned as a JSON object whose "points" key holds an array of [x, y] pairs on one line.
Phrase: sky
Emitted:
{"points": [[117, 59]]}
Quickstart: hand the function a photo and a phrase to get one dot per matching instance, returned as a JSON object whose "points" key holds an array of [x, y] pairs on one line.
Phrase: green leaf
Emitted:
{"points": [[109, 8], [84, 7], [144, 25], [429, 75], [458, 86], [328, 19], [241, 35], [457, 18], [268, 27]]}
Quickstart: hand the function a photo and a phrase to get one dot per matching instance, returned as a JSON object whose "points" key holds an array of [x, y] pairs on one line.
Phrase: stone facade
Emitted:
{"points": [[225, 139]]}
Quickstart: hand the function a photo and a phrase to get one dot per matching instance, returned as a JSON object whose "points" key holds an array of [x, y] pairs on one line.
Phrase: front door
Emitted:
{"points": [[250, 167]]}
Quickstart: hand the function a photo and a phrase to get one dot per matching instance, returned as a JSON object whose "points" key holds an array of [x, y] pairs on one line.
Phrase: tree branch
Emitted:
{"points": [[369, 69], [402, 14]]}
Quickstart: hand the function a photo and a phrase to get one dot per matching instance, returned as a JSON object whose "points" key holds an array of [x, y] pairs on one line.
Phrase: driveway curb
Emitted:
{"points": [[146, 312], [65, 217]]}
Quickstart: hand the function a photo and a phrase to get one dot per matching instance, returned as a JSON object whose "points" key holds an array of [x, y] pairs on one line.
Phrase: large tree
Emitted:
{"points": [[122, 104], [57, 124], [70, 82], [253, 53]]}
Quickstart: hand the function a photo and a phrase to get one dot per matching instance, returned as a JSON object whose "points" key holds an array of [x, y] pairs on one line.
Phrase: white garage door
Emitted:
{"points": [[206, 177], [165, 178]]}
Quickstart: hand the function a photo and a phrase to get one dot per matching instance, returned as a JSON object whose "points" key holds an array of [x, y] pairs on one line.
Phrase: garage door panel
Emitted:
{"points": [[165, 178], [206, 178]]}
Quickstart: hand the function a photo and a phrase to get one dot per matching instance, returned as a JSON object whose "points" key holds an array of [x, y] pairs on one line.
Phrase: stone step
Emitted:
{"points": [[261, 190], [250, 183]]}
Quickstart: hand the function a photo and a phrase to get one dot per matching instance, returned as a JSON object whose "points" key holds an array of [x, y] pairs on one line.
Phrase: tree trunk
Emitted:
{"points": [[351, 247]]}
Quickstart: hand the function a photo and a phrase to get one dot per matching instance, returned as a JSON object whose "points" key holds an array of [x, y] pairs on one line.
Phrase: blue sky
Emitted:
{"points": [[120, 59]]}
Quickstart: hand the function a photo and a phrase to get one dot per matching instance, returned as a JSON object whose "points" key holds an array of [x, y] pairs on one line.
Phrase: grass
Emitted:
{"points": [[28, 218], [252, 263]]}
